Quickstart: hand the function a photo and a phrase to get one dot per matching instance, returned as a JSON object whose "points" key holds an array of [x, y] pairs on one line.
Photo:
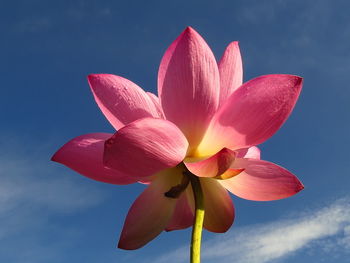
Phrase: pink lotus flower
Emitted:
{"points": [[205, 121]]}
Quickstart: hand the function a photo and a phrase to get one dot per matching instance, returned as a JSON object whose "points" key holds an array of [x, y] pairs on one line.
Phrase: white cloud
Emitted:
{"points": [[32, 194], [327, 229], [26, 182]]}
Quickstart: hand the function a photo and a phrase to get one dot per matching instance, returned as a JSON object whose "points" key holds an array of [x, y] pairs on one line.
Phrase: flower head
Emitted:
{"points": [[205, 122]]}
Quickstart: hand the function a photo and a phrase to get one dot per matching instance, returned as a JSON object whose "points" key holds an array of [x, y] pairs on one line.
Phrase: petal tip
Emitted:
{"points": [[189, 32], [189, 29], [124, 244], [297, 80], [300, 80], [96, 77], [300, 187], [92, 77], [121, 245], [234, 44], [54, 157]]}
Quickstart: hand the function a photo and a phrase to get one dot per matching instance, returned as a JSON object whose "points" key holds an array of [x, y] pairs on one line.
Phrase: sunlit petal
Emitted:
{"points": [[145, 147], [262, 181], [189, 85]]}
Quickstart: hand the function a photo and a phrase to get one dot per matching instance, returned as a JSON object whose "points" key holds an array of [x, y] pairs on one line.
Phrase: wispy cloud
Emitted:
{"points": [[327, 229], [32, 194], [29, 182]]}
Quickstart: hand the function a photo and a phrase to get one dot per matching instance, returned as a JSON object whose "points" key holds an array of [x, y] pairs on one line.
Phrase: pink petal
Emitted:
{"points": [[253, 113], [188, 85], [150, 213], [213, 166], [121, 100], [156, 103], [231, 71], [262, 181], [84, 154], [251, 152], [145, 147], [183, 215], [219, 210]]}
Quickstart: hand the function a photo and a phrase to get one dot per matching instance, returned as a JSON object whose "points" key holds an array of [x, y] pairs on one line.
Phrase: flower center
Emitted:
{"points": [[176, 190]]}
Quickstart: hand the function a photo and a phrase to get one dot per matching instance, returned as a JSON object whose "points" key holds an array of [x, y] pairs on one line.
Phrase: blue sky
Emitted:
{"points": [[51, 214]]}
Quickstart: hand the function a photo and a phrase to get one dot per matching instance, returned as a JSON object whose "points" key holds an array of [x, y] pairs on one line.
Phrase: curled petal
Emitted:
{"points": [[251, 152], [229, 174], [262, 181], [145, 147], [121, 100], [253, 113], [84, 155], [219, 210], [188, 85], [150, 213], [231, 71], [214, 166]]}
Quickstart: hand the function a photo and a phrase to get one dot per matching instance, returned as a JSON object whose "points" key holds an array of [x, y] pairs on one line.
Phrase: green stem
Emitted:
{"points": [[198, 219]]}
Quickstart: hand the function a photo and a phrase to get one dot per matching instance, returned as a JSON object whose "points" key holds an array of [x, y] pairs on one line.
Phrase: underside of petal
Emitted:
{"points": [[145, 147], [219, 210], [150, 213], [231, 71], [84, 155], [188, 85], [183, 215], [121, 100], [262, 181], [253, 113]]}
